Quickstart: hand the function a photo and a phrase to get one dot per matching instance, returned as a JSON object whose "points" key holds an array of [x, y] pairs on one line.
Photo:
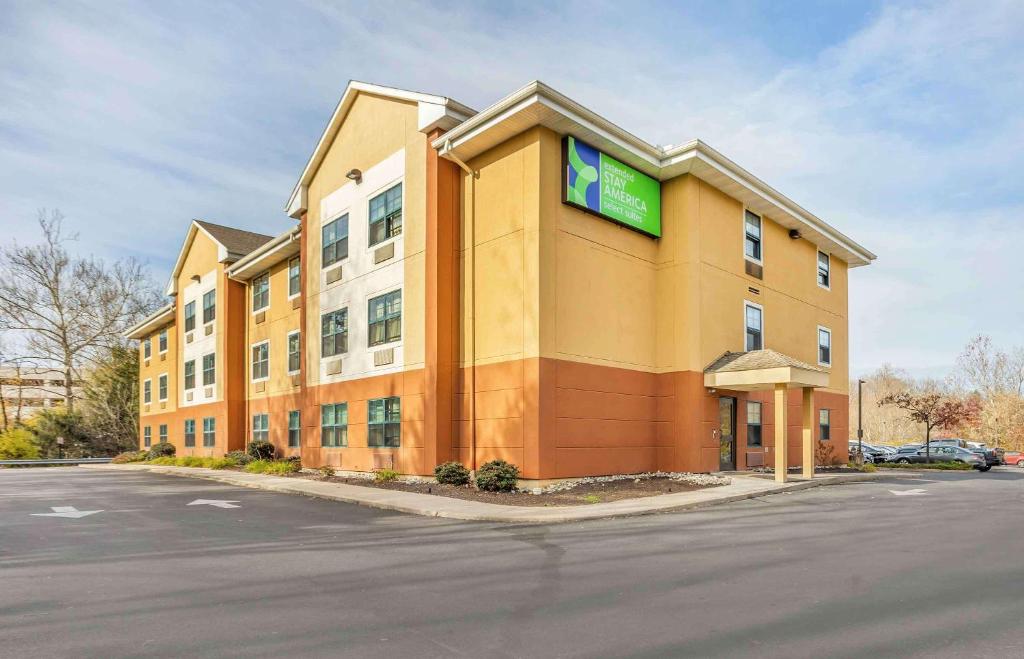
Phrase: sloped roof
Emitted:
{"points": [[237, 241], [756, 360]]}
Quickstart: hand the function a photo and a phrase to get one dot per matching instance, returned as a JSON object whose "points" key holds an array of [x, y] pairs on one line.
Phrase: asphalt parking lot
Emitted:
{"points": [[915, 567]]}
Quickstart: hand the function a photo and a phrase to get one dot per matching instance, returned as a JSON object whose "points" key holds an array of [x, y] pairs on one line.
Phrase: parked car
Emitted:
{"points": [[1014, 458], [872, 454], [945, 454], [909, 449], [993, 457]]}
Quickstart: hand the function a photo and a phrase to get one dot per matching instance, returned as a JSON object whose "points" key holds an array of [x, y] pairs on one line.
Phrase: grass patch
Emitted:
{"points": [[194, 461], [592, 498], [941, 466], [272, 467], [385, 475]]}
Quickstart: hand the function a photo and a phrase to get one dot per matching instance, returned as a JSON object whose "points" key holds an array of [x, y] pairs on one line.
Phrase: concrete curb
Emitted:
{"points": [[741, 488]]}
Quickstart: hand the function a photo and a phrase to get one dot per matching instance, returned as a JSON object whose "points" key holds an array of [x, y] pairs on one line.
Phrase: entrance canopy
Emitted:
{"points": [[762, 369]]}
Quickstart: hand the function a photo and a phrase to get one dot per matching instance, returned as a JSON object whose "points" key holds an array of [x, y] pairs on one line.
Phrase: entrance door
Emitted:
{"points": [[727, 434]]}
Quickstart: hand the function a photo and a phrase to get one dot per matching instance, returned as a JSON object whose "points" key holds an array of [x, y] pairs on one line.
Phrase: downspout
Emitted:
{"points": [[446, 152]]}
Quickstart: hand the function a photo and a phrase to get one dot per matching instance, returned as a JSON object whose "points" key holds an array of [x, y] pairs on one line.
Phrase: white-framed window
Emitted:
{"points": [[162, 340], [753, 321], [190, 316], [190, 374], [147, 436], [334, 241], [147, 391], [386, 215], [260, 361], [261, 292], [209, 369], [824, 346], [162, 387], [294, 353], [752, 245], [209, 306], [334, 333], [294, 278], [147, 348], [260, 427], [384, 318], [824, 270]]}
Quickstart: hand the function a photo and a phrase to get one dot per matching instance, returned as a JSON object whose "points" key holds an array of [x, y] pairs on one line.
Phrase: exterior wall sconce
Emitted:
{"points": [[355, 175], [794, 234]]}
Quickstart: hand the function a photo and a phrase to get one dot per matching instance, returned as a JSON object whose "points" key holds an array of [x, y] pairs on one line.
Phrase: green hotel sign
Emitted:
{"points": [[599, 184]]}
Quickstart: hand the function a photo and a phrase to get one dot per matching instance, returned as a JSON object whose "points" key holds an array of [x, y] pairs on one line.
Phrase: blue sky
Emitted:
{"points": [[901, 124]]}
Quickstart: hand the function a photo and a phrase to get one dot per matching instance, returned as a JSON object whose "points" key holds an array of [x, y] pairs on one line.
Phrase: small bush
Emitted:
{"points": [[497, 476], [451, 473], [219, 463], [130, 456], [293, 458], [385, 475], [166, 461], [941, 466], [191, 461], [261, 449], [869, 468], [326, 472], [162, 450], [240, 457], [257, 466], [272, 467], [18, 444]]}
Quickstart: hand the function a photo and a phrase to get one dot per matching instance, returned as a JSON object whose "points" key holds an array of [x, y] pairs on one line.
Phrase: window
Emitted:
{"points": [[209, 369], [752, 244], [824, 425], [163, 433], [261, 292], [824, 347], [147, 348], [147, 392], [753, 423], [162, 386], [385, 318], [163, 340], [261, 361], [386, 215], [335, 241], [190, 433], [209, 431], [190, 316], [147, 436], [294, 277], [824, 269], [334, 333], [190, 374], [294, 355], [383, 418], [294, 429], [209, 306], [260, 427], [334, 424], [755, 327]]}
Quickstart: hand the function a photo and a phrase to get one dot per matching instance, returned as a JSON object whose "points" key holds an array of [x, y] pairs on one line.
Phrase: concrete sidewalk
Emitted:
{"points": [[741, 487]]}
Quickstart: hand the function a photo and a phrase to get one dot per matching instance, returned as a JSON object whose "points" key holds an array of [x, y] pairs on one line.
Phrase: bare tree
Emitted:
{"points": [[990, 371], [62, 308]]}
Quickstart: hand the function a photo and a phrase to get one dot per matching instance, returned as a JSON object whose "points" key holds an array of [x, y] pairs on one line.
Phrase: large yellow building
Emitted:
{"points": [[528, 282]]}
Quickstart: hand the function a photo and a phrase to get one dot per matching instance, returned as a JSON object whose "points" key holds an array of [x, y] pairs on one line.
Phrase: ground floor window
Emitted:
{"points": [[753, 423], [384, 427], [209, 431], [260, 427], [824, 425], [147, 436], [334, 424], [190, 433], [163, 433], [294, 429]]}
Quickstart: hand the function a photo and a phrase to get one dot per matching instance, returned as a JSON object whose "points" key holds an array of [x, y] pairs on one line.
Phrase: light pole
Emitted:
{"points": [[860, 416]]}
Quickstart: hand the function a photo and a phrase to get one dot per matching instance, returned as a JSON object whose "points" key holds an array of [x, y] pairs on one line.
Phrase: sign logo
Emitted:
{"points": [[599, 184]]}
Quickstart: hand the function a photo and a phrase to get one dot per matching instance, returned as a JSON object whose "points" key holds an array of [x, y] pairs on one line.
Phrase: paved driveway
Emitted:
{"points": [[847, 571]]}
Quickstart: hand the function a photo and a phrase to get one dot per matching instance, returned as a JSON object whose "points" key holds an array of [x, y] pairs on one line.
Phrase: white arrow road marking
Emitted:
{"points": [[219, 503], [909, 493], [67, 511]]}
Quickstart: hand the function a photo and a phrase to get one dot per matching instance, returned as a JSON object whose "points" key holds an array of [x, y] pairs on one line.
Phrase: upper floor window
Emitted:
{"points": [[209, 306], [209, 369], [261, 292], [335, 241], [190, 316], [386, 215], [162, 340], [824, 425], [334, 333], [753, 423], [754, 321], [261, 361], [162, 386], [147, 348], [294, 353], [190, 374], [824, 270], [334, 424], [147, 391], [384, 422], [752, 231], [385, 318], [294, 429], [824, 346], [294, 277], [260, 427]]}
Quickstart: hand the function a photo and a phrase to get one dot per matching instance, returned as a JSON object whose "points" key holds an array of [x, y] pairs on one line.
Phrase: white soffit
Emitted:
{"points": [[537, 104]]}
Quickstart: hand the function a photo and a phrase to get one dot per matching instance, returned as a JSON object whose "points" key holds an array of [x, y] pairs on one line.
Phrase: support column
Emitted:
{"points": [[781, 443], [808, 433]]}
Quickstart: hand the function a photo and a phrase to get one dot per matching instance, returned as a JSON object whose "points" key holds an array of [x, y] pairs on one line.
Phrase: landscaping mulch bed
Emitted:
{"points": [[581, 495]]}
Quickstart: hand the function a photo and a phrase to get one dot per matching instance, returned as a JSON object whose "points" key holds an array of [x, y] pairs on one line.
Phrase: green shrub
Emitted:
{"points": [[385, 475], [941, 466], [219, 463], [869, 468], [162, 450], [326, 472], [261, 449], [257, 466], [293, 458], [240, 457], [18, 444], [497, 476], [166, 461], [130, 456], [191, 461], [451, 473], [272, 467]]}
